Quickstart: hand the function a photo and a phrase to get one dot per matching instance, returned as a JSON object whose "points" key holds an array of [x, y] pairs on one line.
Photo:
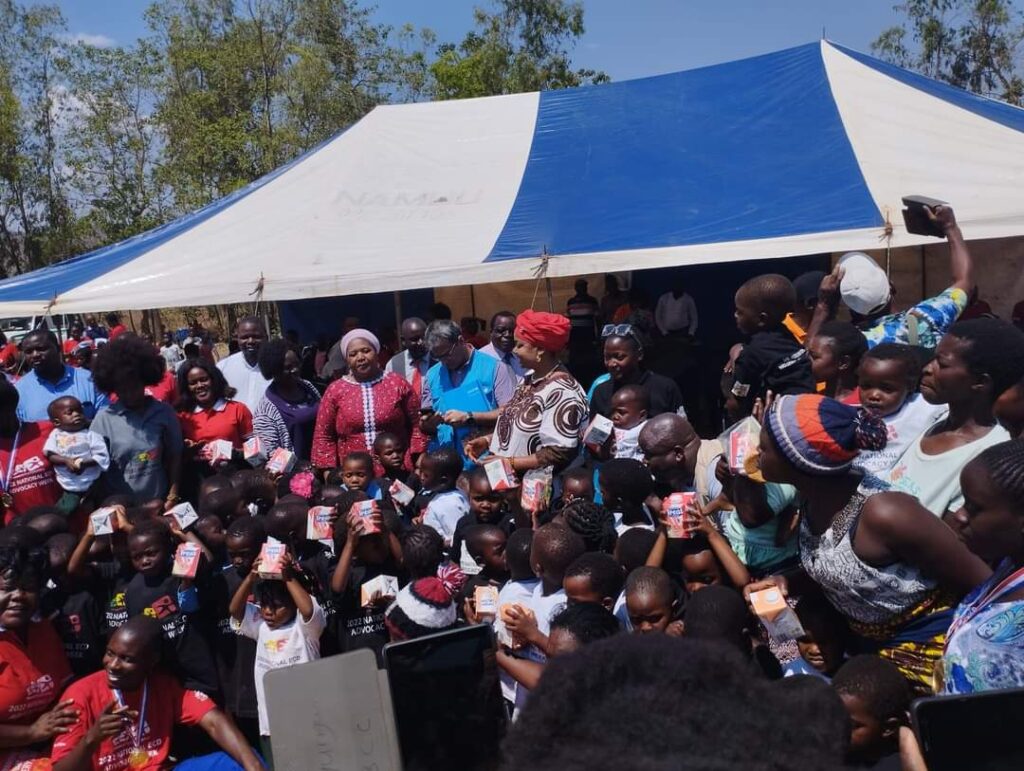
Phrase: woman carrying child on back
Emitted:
{"points": [[891, 568]]}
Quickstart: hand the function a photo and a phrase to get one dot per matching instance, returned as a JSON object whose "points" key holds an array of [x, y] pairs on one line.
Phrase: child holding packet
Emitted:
{"points": [[285, 621]]}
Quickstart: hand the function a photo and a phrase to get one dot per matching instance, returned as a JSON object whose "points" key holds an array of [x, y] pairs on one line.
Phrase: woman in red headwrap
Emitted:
{"points": [[541, 424]]}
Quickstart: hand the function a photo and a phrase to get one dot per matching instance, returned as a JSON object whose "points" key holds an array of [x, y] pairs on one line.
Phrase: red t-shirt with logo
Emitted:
{"points": [[30, 682], [167, 705], [228, 420], [32, 482]]}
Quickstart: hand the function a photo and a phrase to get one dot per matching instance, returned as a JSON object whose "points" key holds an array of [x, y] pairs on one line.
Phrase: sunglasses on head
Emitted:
{"points": [[617, 330]]}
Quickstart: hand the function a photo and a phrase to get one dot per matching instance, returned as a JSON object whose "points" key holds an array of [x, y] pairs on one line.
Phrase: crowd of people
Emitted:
{"points": [[880, 491]]}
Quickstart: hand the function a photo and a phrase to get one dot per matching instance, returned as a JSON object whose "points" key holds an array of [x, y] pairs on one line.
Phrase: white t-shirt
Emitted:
{"points": [[935, 479], [248, 381], [511, 593], [294, 643], [621, 528], [621, 612], [78, 444], [444, 512], [544, 607], [904, 426]]}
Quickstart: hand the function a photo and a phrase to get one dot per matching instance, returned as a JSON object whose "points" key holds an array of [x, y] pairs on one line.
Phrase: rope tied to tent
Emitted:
{"points": [[540, 273], [887, 237], [258, 291]]}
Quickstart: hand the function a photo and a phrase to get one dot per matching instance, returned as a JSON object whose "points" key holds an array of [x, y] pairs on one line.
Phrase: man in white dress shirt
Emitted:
{"points": [[242, 369], [676, 313]]}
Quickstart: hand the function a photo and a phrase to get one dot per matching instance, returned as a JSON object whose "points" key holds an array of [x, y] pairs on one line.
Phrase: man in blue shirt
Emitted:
{"points": [[51, 378]]}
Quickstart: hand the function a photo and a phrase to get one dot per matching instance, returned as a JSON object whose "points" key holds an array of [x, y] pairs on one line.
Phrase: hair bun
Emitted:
{"points": [[870, 431]]}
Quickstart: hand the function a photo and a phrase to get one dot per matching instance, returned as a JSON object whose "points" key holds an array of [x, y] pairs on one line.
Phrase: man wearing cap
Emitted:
{"points": [[865, 289]]}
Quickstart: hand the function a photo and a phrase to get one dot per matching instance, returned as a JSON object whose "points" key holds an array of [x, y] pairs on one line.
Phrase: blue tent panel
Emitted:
{"points": [[744, 150]]}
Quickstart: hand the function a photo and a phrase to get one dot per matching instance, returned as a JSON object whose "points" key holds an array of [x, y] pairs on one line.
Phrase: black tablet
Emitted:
{"points": [[447, 699], [979, 731]]}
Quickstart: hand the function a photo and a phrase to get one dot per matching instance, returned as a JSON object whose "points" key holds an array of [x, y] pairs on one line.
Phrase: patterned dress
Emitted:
{"points": [[898, 613], [985, 646], [549, 412], [352, 414]]}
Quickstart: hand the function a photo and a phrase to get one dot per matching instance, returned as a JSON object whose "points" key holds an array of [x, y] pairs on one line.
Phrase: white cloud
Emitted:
{"points": [[90, 39]]}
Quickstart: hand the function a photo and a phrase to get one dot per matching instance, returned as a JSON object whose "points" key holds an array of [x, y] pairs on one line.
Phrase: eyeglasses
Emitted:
{"points": [[620, 330]]}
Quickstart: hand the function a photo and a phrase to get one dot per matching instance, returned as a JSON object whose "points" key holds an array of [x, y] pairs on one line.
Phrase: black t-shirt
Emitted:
{"points": [[406, 513], [112, 577], [361, 627], [188, 653], [772, 361], [663, 392], [235, 654], [78, 619], [319, 562]]}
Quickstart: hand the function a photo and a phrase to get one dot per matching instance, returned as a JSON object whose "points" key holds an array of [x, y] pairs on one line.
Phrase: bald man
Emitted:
{"points": [[413, 362], [242, 369], [670, 446], [131, 691]]}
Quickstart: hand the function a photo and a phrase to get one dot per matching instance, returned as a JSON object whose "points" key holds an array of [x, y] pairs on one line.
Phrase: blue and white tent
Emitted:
{"points": [[803, 151]]}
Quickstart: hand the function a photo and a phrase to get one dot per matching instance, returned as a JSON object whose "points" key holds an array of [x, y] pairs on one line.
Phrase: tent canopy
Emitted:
{"points": [[802, 151]]}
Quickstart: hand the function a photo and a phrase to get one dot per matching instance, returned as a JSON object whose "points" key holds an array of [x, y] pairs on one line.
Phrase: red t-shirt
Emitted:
{"points": [[166, 390], [116, 331], [33, 482], [227, 419], [167, 705], [29, 683]]}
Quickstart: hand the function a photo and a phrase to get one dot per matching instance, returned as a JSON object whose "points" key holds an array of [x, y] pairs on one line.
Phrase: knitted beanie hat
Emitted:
{"points": [[820, 435], [423, 607]]}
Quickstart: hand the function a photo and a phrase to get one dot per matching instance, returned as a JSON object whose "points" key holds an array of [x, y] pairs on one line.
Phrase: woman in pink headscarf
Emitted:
{"points": [[362, 404]]}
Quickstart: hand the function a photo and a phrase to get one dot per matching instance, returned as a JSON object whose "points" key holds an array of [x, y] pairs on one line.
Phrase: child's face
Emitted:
{"points": [[580, 589], [356, 474], [748, 316], [648, 614], [484, 503], [242, 552], [824, 362], [884, 385], [701, 570], [821, 652], [391, 454], [427, 472], [211, 533], [68, 415], [491, 555], [149, 554], [868, 734], [947, 379], [372, 549], [275, 616], [627, 411], [576, 489]]}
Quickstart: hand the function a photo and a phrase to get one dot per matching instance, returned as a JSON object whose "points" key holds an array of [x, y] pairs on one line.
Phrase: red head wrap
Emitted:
{"points": [[549, 331]]}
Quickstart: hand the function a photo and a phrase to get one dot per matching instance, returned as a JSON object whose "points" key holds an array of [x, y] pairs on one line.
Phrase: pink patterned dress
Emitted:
{"points": [[352, 414]]}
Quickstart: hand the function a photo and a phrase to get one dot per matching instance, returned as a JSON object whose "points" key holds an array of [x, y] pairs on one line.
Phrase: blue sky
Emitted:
{"points": [[625, 39]]}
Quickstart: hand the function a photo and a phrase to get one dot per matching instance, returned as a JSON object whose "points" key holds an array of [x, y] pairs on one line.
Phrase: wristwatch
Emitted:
{"points": [[470, 420]]}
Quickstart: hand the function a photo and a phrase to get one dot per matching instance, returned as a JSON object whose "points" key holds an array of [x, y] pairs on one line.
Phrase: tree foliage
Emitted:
{"points": [[98, 143], [521, 45], [973, 44]]}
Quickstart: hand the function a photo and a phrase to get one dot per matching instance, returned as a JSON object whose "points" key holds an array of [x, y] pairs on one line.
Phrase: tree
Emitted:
{"points": [[115, 149], [972, 44], [521, 45]]}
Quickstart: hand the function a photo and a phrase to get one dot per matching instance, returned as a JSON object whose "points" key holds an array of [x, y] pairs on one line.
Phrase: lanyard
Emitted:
{"points": [[1008, 584], [137, 732], [5, 481]]}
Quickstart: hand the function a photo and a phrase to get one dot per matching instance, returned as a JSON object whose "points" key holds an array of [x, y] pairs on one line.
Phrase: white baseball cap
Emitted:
{"points": [[864, 286]]}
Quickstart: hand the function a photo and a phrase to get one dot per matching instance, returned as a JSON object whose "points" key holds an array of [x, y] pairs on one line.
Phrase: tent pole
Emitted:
{"points": [[397, 296], [472, 301]]}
